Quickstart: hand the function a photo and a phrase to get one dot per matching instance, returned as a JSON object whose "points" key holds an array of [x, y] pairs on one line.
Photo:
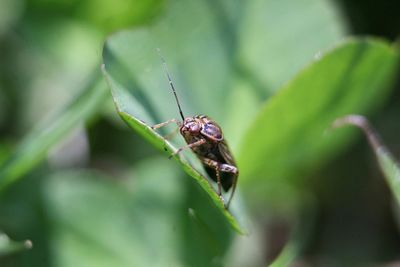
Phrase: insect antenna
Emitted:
{"points": [[170, 83]]}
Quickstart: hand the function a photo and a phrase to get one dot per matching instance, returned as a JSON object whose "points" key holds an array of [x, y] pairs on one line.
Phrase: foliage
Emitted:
{"points": [[89, 191]]}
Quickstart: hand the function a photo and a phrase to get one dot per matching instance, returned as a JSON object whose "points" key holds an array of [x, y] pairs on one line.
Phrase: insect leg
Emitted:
{"points": [[197, 143], [214, 164], [171, 134], [231, 169], [233, 190], [162, 124], [223, 167]]}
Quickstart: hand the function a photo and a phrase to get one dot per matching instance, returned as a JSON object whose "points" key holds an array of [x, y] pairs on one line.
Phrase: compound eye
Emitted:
{"points": [[194, 127]]}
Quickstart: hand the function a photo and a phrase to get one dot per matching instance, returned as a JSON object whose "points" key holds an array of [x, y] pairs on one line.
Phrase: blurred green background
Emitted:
{"points": [[88, 191]]}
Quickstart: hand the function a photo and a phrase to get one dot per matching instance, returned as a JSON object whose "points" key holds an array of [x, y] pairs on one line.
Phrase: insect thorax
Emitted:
{"points": [[201, 126]]}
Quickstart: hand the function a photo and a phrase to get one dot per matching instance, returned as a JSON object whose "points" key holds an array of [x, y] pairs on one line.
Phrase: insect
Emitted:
{"points": [[205, 138]]}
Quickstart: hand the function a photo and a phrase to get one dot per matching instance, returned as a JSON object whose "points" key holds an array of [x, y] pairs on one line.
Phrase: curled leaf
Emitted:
{"points": [[389, 166]]}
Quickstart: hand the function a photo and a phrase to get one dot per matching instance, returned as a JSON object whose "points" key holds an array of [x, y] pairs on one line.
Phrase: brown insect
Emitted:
{"points": [[205, 138]]}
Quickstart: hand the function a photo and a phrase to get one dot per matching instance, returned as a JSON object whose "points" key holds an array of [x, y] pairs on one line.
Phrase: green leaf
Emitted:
{"points": [[105, 15], [111, 16], [8, 246], [267, 42], [387, 163], [287, 141], [142, 220], [33, 149], [277, 38]]}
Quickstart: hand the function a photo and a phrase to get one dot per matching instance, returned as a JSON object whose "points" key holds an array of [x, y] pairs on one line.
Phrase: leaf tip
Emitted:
{"points": [[360, 122], [351, 119]]}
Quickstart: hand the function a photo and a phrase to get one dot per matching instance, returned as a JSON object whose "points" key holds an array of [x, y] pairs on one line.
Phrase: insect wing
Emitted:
{"points": [[226, 153]]}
